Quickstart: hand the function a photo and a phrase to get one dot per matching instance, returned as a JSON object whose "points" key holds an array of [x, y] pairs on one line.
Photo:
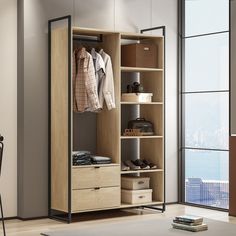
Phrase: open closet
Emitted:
{"points": [[92, 187]]}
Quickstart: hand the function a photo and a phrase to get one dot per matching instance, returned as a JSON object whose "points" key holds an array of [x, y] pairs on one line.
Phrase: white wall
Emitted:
{"points": [[8, 104]]}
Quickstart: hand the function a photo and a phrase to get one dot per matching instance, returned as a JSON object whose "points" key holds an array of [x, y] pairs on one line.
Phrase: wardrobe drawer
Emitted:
{"points": [[100, 198], [91, 177]]}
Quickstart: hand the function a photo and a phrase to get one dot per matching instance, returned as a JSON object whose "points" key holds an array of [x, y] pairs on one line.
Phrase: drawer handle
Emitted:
{"points": [[97, 188], [141, 196], [146, 49], [96, 167], [140, 182]]}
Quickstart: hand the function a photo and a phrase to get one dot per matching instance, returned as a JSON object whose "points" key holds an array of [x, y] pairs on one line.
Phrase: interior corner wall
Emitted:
{"points": [[122, 15], [8, 104]]}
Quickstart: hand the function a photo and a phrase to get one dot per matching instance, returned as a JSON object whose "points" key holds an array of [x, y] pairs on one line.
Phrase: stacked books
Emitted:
{"points": [[189, 223]]}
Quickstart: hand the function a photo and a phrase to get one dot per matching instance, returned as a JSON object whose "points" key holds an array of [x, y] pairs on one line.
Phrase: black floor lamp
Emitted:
{"points": [[1, 153]]}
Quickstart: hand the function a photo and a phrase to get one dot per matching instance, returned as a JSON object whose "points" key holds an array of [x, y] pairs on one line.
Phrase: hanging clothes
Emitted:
{"points": [[84, 83], [99, 67], [107, 84]]}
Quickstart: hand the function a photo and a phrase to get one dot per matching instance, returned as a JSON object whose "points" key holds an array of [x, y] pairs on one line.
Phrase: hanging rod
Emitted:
{"points": [[88, 38]]}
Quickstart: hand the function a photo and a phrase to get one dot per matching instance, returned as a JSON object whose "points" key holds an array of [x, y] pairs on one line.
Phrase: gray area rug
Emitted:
{"points": [[146, 228]]}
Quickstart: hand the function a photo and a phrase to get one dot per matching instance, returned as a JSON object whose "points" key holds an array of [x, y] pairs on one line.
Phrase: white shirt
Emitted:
{"points": [[107, 84]]}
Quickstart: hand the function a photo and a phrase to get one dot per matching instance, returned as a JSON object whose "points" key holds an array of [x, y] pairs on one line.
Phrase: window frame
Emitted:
{"points": [[181, 102]]}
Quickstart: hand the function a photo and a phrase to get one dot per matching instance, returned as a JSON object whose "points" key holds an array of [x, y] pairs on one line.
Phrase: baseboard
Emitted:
{"points": [[10, 218], [204, 207], [172, 203], [33, 218]]}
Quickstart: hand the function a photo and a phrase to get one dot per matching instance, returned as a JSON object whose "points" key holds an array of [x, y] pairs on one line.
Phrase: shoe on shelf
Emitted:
{"points": [[150, 164], [124, 167], [131, 165], [140, 163]]}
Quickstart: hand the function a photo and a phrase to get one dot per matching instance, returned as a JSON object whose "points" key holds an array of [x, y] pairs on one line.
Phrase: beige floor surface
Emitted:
{"points": [[35, 227]]}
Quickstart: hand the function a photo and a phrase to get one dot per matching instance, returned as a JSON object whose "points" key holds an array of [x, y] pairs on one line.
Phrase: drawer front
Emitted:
{"points": [[92, 177], [92, 199], [132, 197], [142, 198]]}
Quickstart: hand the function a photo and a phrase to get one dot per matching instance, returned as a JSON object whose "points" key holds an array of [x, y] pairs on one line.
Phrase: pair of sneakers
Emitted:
{"points": [[137, 165]]}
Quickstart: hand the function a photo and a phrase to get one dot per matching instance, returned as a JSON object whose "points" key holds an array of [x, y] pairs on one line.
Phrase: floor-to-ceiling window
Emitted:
{"points": [[205, 102]]}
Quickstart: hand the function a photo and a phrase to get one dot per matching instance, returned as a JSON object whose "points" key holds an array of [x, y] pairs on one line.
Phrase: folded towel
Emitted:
{"points": [[100, 158]]}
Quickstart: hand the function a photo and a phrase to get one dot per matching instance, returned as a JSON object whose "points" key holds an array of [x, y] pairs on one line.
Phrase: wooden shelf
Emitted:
{"points": [[124, 35], [91, 31], [141, 103], [140, 137], [139, 69], [126, 205], [138, 36], [97, 165], [140, 171]]}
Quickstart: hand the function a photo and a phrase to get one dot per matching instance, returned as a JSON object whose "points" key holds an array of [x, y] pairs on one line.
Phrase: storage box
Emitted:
{"points": [[136, 196], [136, 97], [139, 55], [135, 183]]}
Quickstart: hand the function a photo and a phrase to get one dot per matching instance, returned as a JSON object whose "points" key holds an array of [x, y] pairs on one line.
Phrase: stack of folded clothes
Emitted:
{"points": [[81, 158], [100, 160], [86, 158]]}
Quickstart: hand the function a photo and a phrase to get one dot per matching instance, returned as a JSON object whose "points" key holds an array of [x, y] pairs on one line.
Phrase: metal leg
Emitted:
{"points": [[3, 224]]}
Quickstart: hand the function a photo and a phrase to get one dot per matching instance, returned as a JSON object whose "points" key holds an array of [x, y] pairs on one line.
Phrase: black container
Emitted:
{"points": [[146, 127]]}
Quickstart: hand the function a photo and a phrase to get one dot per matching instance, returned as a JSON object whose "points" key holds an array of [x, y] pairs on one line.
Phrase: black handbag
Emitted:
{"points": [[145, 127]]}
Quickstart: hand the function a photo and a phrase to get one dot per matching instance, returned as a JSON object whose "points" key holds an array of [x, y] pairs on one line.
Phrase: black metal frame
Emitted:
{"points": [[181, 102], [163, 28], [67, 216], [87, 38], [54, 214], [1, 207]]}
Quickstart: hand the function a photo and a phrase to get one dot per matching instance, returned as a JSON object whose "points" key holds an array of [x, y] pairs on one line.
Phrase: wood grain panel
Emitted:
{"points": [[88, 199], [157, 185], [152, 150], [153, 83], [59, 119], [91, 177], [155, 115], [232, 176], [108, 122]]}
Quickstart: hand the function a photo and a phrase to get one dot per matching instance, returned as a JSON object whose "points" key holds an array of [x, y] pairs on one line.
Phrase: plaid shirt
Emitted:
{"points": [[85, 95]]}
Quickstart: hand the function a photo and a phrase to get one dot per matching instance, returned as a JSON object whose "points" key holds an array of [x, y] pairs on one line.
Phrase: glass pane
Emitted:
{"points": [[206, 16], [207, 63], [207, 178], [207, 120]]}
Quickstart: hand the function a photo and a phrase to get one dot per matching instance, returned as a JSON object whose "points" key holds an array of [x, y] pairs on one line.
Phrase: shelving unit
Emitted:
{"points": [[142, 137], [146, 147], [141, 103], [139, 69], [76, 189]]}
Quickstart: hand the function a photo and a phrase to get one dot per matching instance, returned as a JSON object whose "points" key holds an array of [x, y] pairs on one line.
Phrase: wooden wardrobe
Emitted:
{"points": [[76, 189]]}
